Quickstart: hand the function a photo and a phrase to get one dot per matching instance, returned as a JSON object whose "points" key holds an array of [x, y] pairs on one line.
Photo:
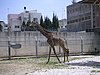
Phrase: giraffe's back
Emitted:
{"points": [[58, 41]]}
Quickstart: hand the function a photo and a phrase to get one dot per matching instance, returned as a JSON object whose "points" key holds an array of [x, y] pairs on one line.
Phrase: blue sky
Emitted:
{"points": [[46, 7]]}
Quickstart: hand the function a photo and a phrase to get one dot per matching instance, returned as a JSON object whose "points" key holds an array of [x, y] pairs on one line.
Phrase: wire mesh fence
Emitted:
{"points": [[35, 44]]}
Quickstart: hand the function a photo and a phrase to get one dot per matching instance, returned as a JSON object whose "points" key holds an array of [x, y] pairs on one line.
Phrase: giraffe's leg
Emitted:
{"points": [[64, 51], [49, 54], [56, 54], [67, 51]]}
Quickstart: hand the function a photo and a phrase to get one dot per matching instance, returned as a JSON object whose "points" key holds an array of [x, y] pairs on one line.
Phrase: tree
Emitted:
{"points": [[55, 22], [41, 22], [47, 23], [1, 27], [28, 28], [23, 26]]}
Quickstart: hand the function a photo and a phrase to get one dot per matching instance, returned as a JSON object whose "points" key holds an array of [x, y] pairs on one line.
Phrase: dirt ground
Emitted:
{"points": [[78, 65]]}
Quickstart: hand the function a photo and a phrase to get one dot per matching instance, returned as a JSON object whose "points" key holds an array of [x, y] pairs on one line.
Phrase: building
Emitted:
{"points": [[97, 13], [82, 17], [30, 15], [15, 20], [3, 26], [62, 23], [91, 1]]}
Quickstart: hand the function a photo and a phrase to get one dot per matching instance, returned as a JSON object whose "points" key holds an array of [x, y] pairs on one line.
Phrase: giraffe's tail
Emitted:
{"points": [[66, 43]]}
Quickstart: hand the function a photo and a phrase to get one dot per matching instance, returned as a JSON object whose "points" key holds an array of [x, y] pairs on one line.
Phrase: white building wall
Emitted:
{"points": [[33, 11], [62, 23], [24, 17], [30, 15], [15, 20], [36, 16], [16, 25]]}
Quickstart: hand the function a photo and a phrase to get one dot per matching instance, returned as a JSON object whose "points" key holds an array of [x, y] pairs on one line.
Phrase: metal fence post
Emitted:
{"points": [[81, 44], [59, 37], [9, 49], [36, 40]]}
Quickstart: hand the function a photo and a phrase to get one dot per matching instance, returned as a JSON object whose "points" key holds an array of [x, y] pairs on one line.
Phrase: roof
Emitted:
{"points": [[91, 1], [1, 21]]}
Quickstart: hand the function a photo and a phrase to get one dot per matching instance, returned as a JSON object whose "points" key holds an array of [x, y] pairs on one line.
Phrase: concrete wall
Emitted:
{"points": [[77, 42]]}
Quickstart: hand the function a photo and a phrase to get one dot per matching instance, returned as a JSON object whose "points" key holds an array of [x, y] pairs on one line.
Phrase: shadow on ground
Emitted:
{"points": [[88, 63]]}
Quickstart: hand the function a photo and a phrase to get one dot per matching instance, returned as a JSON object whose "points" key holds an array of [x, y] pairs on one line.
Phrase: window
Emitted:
{"points": [[6, 26], [76, 20], [79, 19], [35, 19], [68, 22], [89, 17], [61, 26], [82, 18], [16, 26], [86, 18]]}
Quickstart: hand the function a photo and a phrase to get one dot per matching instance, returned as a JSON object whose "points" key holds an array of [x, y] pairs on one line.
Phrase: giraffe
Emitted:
{"points": [[53, 41]]}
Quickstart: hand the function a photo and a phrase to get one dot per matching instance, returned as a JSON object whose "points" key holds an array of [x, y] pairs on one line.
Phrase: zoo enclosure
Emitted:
{"points": [[34, 43]]}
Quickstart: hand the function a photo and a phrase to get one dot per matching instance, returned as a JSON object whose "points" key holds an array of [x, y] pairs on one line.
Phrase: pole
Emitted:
{"points": [[91, 16], [59, 37], [81, 44], [36, 46], [9, 49], [36, 49]]}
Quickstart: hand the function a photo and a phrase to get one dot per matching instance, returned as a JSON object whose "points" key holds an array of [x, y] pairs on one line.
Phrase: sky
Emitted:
{"points": [[46, 7]]}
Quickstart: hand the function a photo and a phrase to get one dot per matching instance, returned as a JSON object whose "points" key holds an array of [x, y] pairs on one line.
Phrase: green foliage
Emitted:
{"points": [[28, 27], [23, 26], [47, 23], [55, 22], [54, 25], [28, 23], [41, 22]]}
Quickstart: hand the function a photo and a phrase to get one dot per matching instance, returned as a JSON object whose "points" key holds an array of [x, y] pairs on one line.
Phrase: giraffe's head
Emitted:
{"points": [[33, 23], [37, 26]]}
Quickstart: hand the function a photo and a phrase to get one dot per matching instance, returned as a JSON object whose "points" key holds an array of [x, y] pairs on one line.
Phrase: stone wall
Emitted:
{"points": [[77, 43]]}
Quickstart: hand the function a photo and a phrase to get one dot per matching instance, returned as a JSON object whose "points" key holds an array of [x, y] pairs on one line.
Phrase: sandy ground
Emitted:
{"points": [[81, 65], [87, 66]]}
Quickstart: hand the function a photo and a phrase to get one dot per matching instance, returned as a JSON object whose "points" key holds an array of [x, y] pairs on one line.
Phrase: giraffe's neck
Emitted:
{"points": [[43, 31]]}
